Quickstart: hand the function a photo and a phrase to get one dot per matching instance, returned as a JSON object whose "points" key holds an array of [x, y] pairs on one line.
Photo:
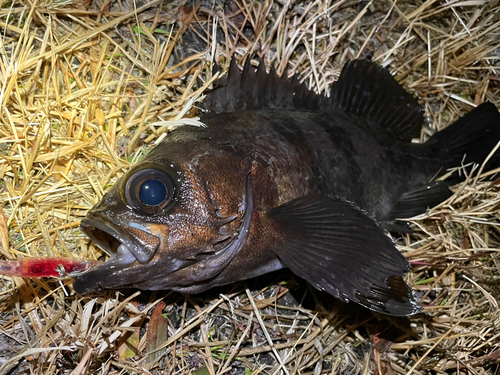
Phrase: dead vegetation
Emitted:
{"points": [[88, 87]]}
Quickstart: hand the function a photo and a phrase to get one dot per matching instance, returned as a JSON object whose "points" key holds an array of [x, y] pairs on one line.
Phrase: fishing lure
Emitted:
{"points": [[45, 267]]}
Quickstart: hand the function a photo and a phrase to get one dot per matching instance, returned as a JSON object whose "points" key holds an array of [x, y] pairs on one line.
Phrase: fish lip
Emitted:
{"points": [[109, 239]]}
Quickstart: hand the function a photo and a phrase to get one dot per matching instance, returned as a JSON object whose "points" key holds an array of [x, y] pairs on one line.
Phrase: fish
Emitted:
{"points": [[282, 177]]}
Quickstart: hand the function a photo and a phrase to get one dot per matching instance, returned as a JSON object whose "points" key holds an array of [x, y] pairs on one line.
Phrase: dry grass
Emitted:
{"points": [[83, 82]]}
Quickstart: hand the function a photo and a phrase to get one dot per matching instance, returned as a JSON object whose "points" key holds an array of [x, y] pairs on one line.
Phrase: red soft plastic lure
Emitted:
{"points": [[44, 267]]}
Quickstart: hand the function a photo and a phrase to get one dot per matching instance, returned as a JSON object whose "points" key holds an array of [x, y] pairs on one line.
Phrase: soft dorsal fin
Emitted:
{"points": [[254, 89], [365, 89]]}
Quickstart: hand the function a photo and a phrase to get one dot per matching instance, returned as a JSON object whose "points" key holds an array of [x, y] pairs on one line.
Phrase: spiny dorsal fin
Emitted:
{"points": [[254, 89], [367, 90]]}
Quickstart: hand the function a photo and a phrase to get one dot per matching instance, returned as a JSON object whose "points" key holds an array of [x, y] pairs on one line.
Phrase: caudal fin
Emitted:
{"points": [[470, 139]]}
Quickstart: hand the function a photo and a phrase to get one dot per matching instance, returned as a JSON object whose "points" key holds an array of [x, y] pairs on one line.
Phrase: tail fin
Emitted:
{"points": [[470, 139]]}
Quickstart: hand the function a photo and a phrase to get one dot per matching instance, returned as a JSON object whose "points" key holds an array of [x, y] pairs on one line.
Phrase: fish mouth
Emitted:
{"points": [[136, 245]]}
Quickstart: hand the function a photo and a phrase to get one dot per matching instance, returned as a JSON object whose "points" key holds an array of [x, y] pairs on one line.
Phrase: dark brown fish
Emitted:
{"points": [[281, 177]]}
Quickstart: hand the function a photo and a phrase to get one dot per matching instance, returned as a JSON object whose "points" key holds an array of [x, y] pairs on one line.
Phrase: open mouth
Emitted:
{"points": [[128, 248], [123, 249]]}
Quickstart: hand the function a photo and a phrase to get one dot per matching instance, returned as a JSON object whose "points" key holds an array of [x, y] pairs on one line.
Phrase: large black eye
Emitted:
{"points": [[150, 190]]}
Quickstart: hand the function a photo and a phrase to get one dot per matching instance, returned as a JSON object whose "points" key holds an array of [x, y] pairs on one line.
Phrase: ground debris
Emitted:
{"points": [[88, 87]]}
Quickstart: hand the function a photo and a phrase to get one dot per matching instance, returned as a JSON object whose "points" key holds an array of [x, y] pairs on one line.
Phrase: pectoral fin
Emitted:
{"points": [[337, 248]]}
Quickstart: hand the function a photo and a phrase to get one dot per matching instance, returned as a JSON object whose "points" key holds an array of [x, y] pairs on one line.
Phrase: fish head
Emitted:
{"points": [[174, 220]]}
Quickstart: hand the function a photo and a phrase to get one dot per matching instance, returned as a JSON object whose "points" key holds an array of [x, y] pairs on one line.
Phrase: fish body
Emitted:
{"points": [[281, 177]]}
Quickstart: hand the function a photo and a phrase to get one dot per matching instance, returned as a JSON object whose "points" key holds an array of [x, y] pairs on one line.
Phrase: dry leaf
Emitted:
{"points": [[157, 333]]}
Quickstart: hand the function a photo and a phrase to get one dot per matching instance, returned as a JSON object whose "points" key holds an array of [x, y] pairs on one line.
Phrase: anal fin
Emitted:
{"points": [[415, 202], [337, 248]]}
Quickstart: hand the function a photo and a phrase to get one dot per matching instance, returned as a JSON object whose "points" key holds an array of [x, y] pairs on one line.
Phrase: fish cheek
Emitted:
{"points": [[186, 241], [192, 221], [223, 175]]}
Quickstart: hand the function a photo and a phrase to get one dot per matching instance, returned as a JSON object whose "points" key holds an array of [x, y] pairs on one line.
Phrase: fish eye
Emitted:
{"points": [[150, 190]]}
